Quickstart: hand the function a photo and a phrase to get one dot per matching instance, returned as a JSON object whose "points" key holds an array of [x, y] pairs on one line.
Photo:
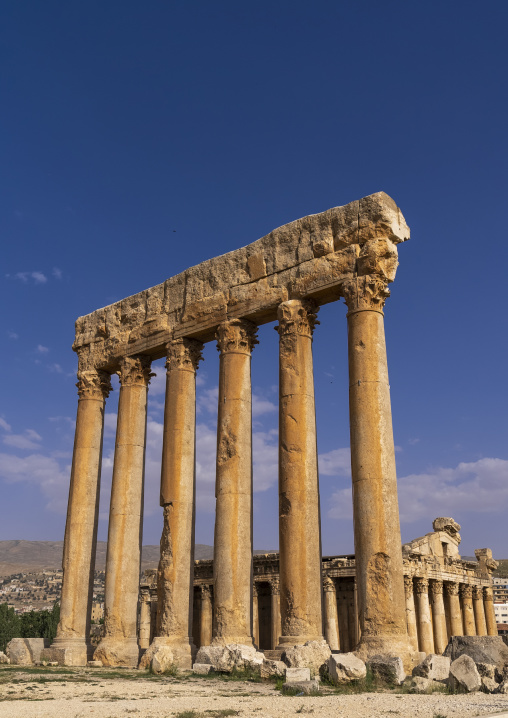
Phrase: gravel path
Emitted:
{"points": [[80, 695]]}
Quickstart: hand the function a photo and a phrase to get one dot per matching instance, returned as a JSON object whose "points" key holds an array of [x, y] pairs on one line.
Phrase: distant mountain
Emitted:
{"points": [[25, 556]]}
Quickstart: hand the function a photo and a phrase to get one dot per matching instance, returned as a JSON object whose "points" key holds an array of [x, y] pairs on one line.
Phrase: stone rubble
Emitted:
{"points": [[388, 669], [464, 676], [345, 667], [433, 667]]}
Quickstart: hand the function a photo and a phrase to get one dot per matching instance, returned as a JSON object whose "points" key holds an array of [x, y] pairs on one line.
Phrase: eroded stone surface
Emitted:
{"points": [[313, 655], [233, 656], [464, 676], [388, 669], [482, 649], [272, 668], [4, 658], [25, 651], [434, 667], [345, 667], [304, 687]]}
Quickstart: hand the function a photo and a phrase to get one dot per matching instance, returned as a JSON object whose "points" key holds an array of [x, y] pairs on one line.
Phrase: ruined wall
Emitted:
{"points": [[311, 257]]}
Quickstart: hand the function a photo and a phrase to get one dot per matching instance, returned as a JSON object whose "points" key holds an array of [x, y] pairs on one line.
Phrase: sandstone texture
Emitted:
{"points": [[482, 649], [345, 667], [313, 655], [25, 651], [433, 667], [295, 675], [464, 676], [4, 658], [271, 668], [303, 687], [387, 669], [230, 657]]}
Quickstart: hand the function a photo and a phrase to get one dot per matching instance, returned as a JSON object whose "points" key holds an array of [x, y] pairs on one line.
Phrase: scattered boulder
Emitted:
{"points": [[434, 667], [464, 676], [503, 687], [489, 685], [271, 668], [313, 655], [482, 649], [345, 667], [419, 684], [489, 670], [297, 675], [388, 669], [304, 687], [162, 659], [4, 658], [25, 651], [233, 656]]}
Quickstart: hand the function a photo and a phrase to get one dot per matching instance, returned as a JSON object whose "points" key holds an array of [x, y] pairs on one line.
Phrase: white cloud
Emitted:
{"points": [[41, 349], [12, 335], [207, 400], [335, 463], [262, 406], [57, 273], [4, 424], [55, 368], [157, 382], [38, 277], [28, 440], [38, 469]]}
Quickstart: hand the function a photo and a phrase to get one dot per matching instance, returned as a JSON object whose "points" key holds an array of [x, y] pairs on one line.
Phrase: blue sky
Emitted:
{"points": [[138, 139]]}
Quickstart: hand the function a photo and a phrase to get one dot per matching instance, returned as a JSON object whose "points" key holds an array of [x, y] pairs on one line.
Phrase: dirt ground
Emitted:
{"points": [[77, 693]]}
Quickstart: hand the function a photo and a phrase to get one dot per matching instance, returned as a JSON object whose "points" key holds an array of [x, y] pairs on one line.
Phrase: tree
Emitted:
{"points": [[10, 625]]}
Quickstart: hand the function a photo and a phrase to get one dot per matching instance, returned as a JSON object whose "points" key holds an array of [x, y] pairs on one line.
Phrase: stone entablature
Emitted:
{"points": [[312, 257]]}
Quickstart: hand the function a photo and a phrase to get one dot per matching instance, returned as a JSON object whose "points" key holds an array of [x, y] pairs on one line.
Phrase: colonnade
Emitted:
{"points": [[379, 571], [437, 609]]}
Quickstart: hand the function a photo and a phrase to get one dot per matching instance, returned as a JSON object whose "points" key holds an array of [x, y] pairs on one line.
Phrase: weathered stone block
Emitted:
{"points": [[419, 684], [25, 651], [293, 675], [202, 668], [388, 669], [345, 667], [94, 664], [503, 687], [489, 685], [233, 656], [162, 659], [482, 649], [305, 687], [313, 655], [464, 676], [433, 667], [272, 668], [4, 658]]}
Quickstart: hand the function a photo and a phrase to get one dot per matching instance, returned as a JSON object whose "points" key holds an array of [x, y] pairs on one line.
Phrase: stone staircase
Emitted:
{"points": [[274, 655]]}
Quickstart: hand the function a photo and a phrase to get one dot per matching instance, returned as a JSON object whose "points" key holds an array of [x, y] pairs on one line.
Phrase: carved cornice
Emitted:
{"points": [[365, 293], [184, 354], [236, 335], [297, 316], [478, 593], [328, 584], [466, 591], [275, 586], [408, 585], [94, 384], [451, 588], [421, 585], [436, 588], [135, 370]]}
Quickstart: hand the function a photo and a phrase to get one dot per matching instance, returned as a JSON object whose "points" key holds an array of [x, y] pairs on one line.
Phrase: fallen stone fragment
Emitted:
{"points": [[489, 670], [419, 684], [489, 685], [272, 668], [305, 687], [294, 675], [482, 649], [162, 659], [503, 687], [202, 668], [434, 667], [388, 669], [233, 656], [94, 664], [4, 658], [464, 676], [313, 655], [25, 651], [345, 667]]}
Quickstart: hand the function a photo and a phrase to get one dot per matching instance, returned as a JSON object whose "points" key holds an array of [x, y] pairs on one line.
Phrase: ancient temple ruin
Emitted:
{"points": [[346, 252]]}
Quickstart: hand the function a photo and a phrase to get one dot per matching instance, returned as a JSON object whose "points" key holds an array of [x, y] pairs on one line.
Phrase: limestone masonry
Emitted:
{"points": [[346, 252]]}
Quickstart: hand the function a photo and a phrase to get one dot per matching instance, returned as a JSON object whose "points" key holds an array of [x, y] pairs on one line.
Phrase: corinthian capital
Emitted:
{"points": [[297, 316], [184, 354], [451, 588], [421, 585], [436, 588], [368, 292], [488, 594], [275, 586], [408, 585], [236, 335], [477, 592], [466, 591], [93, 384], [135, 370], [328, 584]]}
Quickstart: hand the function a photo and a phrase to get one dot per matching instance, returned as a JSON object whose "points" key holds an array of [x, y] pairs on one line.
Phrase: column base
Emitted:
{"points": [[166, 651], [391, 645], [290, 641], [118, 652], [68, 652], [228, 640]]}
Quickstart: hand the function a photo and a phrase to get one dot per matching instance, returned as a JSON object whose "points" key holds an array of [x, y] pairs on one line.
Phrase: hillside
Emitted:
{"points": [[25, 556]]}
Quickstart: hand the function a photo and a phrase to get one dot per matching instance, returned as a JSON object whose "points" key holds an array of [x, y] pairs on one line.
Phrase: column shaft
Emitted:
{"points": [[455, 617], [426, 639], [206, 618], [299, 515], [466, 592], [144, 620], [479, 611], [232, 563], [72, 643], [275, 612], [490, 616], [330, 611], [412, 631], [119, 646], [255, 615], [378, 553], [439, 617]]}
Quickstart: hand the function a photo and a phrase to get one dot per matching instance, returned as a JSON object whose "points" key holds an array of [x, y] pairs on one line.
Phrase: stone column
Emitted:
{"points": [[119, 646], [378, 552], [490, 616], [232, 551], [412, 631], [299, 514], [206, 618], [71, 646], [439, 617], [479, 611], [175, 575], [423, 613], [275, 611], [144, 619], [330, 611], [466, 594], [452, 595], [255, 615]]}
